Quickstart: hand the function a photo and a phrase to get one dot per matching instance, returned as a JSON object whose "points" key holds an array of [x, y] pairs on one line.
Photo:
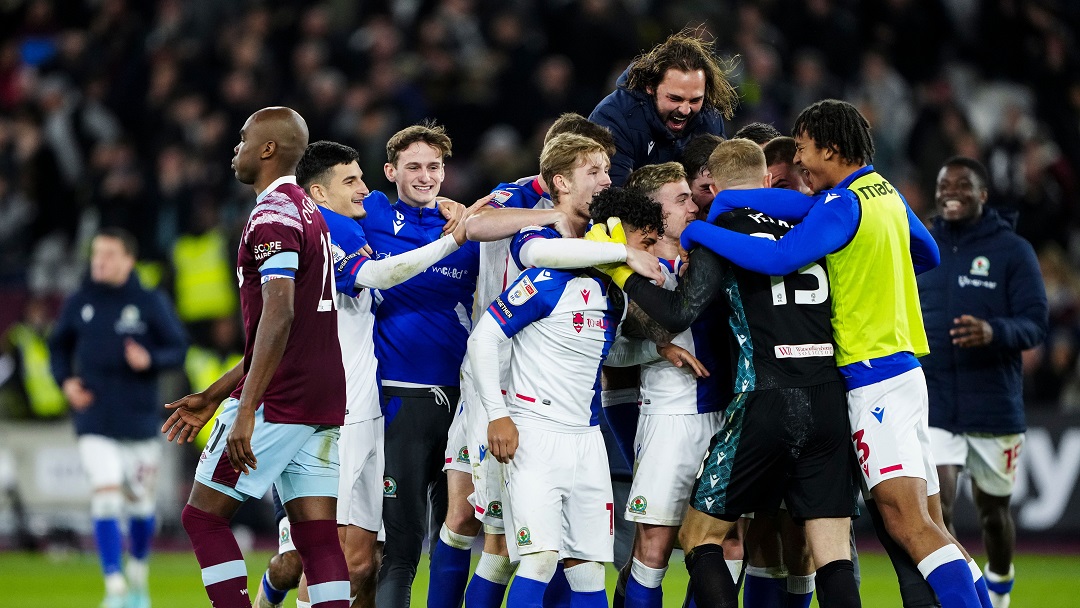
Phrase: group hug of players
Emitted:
{"points": [[776, 332]]}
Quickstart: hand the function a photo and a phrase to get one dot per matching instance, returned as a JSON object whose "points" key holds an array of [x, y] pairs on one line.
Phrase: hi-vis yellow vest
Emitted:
{"points": [[45, 396], [204, 367], [875, 299], [205, 280]]}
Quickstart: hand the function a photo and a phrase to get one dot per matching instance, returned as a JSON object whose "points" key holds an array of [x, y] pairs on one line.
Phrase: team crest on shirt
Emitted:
{"points": [[337, 253], [522, 292], [87, 313], [501, 196], [463, 454], [495, 510], [523, 537], [130, 321], [283, 536], [638, 505], [980, 266], [579, 321], [389, 487]]}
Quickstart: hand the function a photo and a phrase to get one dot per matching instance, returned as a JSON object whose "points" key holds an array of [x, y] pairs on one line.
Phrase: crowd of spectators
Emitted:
{"points": [[116, 112]]}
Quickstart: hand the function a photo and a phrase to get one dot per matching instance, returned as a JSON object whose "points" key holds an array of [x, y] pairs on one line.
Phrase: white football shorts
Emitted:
{"points": [[130, 464], [360, 481], [890, 432], [559, 489], [456, 457], [667, 454], [991, 460]]}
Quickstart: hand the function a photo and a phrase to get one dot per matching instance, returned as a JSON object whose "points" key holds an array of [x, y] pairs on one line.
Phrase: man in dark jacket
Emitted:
{"points": [[982, 306], [112, 339], [675, 91]]}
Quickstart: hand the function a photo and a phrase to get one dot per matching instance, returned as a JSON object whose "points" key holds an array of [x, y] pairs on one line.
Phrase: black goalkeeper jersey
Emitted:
{"points": [[781, 326]]}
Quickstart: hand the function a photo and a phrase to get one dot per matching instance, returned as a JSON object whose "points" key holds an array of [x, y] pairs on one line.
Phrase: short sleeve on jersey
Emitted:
{"points": [[522, 303], [279, 266], [527, 234]]}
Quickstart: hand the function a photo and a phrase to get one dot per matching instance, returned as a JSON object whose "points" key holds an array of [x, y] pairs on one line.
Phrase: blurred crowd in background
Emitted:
{"points": [[125, 113]]}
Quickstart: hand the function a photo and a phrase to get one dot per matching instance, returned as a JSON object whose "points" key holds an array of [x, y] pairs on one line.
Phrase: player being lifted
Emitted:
{"points": [[875, 245], [546, 430], [287, 398]]}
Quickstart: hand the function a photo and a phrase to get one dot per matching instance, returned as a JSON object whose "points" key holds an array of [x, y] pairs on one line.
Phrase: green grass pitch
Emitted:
{"points": [[1044, 581]]}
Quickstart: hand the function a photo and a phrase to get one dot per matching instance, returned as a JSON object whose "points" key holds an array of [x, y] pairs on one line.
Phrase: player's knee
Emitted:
{"points": [[586, 577], [688, 538], [539, 566], [994, 520], [141, 506], [362, 571], [285, 570], [461, 520], [652, 554], [107, 504]]}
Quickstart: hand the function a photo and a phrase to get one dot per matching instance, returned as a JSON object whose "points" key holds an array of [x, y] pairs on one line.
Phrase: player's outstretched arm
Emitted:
{"points": [[827, 228], [394, 270], [779, 203], [483, 351], [271, 337], [675, 310], [191, 413], [489, 223]]}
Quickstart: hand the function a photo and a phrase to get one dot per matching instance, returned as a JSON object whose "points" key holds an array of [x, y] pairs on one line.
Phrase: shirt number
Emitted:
{"points": [[327, 304]]}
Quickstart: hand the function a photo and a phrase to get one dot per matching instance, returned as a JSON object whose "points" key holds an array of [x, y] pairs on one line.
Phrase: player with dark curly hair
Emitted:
{"points": [[641, 217]]}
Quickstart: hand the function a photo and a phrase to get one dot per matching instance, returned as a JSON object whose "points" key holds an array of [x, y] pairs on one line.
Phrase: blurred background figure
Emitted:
{"points": [[112, 339]]}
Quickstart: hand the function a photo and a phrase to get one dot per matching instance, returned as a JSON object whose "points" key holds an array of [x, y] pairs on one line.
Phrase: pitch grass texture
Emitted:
{"points": [[1045, 581]]}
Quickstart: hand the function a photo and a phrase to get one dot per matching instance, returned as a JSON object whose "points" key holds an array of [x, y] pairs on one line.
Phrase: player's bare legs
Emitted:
{"points": [[363, 554], [999, 538], [284, 572], [830, 548], [701, 536], [778, 562], [452, 555], [915, 522], [734, 551], [904, 507]]}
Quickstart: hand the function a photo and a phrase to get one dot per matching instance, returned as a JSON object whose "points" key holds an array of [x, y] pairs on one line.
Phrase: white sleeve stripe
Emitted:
{"points": [[285, 259]]}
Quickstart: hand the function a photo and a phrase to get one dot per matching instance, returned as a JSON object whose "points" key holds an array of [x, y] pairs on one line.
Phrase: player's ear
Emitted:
{"points": [[713, 188], [268, 149], [560, 183], [766, 182], [390, 171], [317, 193]]}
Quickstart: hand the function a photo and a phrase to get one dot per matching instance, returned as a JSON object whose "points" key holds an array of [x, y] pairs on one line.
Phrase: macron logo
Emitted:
{"points": [[651, 144], [878, 412], [829, 197]]}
